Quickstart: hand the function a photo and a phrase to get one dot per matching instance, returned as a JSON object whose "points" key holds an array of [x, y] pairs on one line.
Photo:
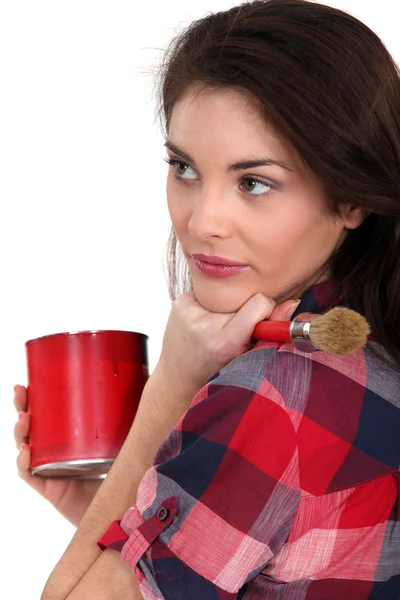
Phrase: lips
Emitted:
{"points": [[216, 268], [217, 260]]}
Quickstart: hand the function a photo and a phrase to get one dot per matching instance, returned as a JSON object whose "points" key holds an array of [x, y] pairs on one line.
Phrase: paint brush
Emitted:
{"points": [[339, 331]]}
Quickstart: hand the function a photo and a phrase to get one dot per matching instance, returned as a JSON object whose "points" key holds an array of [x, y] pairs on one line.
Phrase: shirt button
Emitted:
{"points": [[163, 514]]}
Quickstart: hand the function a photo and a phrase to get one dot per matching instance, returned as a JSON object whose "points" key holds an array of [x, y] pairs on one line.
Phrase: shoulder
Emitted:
{"points": [[238, 415], [281, 371], [240, 403], [344, 410]]}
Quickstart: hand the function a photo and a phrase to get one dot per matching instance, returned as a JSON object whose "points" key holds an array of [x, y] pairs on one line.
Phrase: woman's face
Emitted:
{"points": [[271, 217]]}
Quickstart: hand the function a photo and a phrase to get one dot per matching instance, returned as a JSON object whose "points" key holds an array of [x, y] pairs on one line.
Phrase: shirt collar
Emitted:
{"points": [[320, 298]]}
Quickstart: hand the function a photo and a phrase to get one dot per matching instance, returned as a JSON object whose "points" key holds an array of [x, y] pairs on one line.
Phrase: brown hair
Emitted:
{"points": [[330, 87]]}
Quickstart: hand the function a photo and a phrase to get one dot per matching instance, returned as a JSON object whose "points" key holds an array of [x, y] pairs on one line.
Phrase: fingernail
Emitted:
{"points": [[293, 308], [15, 387]]}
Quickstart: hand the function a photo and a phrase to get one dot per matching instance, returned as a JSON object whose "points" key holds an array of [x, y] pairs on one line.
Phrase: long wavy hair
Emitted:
{"points": [[331, 89]]}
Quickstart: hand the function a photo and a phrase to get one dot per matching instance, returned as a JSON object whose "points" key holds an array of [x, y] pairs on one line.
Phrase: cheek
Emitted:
{"points": [[310, 220], [177, 207], [314, 239], [297, 233], [172, 201], [170, 196]]}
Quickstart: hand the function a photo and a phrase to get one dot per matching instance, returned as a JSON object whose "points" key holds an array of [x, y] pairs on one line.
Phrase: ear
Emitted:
{"points": [[353, 216]]}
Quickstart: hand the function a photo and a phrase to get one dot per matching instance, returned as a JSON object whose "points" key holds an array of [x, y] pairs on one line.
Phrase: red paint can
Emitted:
{"points": [[83, 393]]}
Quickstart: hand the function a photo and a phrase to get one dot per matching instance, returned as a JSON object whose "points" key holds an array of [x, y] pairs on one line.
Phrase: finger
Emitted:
{"points": [[24, 470], [23, 462], [284, 311], [242, 324], [21, 429], [20, 397], [306, 317]]}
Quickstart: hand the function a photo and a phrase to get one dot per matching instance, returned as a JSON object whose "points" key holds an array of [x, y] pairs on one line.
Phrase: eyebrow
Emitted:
{"points": [[238, 166]]}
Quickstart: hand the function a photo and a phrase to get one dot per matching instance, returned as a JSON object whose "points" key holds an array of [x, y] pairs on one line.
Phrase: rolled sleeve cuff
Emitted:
{"points": [[133, 535]]}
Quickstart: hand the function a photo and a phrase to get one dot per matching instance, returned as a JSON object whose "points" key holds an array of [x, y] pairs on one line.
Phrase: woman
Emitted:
{"points": [[280, 478]]}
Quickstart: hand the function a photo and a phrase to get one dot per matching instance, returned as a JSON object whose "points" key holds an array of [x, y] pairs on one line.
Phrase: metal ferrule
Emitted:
{"points": [[300, 334]]}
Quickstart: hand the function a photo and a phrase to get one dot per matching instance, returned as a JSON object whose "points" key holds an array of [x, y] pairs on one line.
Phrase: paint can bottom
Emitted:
{"points": [[75, 469]]}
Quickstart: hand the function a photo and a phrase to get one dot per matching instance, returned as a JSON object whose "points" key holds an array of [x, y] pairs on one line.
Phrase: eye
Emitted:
{"points": [[181, 169], [256, 187]]}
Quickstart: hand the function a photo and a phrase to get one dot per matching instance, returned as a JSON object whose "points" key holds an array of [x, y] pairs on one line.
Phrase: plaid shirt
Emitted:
{"points": [[281, 481]]}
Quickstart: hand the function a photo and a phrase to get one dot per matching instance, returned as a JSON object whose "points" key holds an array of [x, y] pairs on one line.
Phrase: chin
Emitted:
{"points": [[222, 299]]}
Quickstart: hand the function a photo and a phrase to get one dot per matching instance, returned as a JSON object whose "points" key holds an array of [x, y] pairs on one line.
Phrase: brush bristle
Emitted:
{"points": [[340, 331]]}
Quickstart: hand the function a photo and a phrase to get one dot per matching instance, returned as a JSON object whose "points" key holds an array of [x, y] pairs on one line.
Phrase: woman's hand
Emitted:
{"points": [[197, 343], [70, 498]]}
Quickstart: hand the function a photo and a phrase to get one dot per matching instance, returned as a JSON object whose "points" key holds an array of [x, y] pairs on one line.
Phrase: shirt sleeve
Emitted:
{"points": [[220, 500]]}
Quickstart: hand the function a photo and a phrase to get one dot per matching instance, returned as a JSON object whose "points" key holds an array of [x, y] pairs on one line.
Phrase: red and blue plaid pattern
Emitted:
{"points": [[281, 481]]}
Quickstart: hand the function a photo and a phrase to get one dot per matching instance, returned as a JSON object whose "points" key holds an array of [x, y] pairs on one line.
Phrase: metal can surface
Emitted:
{"points": [[83, 392]]}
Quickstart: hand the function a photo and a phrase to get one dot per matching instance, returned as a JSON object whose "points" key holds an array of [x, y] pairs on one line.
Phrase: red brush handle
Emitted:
{"points": [[272, 331]]}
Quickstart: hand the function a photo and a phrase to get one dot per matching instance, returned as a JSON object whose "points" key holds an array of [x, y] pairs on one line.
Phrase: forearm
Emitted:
{"points": [[108, 579], [161, 405]]}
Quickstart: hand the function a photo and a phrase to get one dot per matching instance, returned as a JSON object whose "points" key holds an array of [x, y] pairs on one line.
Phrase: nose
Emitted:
{"points": [[211, 215]]}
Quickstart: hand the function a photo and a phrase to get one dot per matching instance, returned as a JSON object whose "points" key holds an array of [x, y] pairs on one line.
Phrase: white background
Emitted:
{"points": [[83, 216]]}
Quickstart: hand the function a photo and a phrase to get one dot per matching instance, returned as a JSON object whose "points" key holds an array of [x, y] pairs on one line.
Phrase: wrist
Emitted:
{"points": [[170, 379]]}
